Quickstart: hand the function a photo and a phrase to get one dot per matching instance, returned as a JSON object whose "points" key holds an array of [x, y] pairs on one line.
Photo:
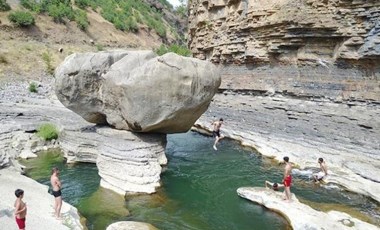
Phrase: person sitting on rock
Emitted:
{"points": [[275, 186], [323, 173]]}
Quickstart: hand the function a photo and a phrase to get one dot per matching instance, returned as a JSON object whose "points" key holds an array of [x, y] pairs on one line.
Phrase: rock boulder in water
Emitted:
{"points": [[131, 225], [299, 215], [137, 90]]}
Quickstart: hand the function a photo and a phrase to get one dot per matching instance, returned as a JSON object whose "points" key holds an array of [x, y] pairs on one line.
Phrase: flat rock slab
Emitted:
{"points": [[278, 126], [299, 215], [40, 211], [131, 225]]}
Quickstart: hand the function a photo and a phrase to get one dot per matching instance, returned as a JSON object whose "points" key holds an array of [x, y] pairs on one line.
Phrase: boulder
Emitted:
{"points": [[130, 225], [136, 90], [292, 211]]}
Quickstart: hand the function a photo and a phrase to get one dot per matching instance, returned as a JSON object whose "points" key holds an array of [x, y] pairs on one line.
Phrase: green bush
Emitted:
{"points": [[119, 24], [82, 3], [81, 19], [31, 5], [46, 56], [57, 12], [99, 47], [21, 18], [131, 24], [4, 6], [33, 87], [3, 59], [180, 50], [47, 132]]}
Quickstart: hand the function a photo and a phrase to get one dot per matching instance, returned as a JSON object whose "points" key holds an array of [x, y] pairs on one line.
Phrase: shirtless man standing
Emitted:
{"points": [[20, 209], [319, 176], [216, 132], [287, 178], [56, 184]]}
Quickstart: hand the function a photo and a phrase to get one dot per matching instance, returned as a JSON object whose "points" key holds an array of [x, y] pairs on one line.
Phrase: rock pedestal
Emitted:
{"points": [[130, 163], [127, 162]]}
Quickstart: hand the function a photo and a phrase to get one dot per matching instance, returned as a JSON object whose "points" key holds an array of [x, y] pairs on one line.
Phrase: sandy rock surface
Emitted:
{"points": [[310, 218], [40, 211]]}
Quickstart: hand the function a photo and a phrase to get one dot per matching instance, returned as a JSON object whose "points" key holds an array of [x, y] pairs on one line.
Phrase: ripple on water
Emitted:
{"points": [[198, 189]]}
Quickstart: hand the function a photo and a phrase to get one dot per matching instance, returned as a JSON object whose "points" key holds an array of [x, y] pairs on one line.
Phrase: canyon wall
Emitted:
{"points": [[304, 48]]}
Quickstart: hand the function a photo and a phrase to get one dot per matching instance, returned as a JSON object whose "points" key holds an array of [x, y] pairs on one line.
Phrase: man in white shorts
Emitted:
{"points": [[323, 173]]}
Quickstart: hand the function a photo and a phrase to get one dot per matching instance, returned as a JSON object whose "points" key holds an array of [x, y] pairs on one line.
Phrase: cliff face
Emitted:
{"points": [[318, 48]]}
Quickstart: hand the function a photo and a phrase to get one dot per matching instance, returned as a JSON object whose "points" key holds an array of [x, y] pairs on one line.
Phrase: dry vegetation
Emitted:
{"points": [[25, 52]]}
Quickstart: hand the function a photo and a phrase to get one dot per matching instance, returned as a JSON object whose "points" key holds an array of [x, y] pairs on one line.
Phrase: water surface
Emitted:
{"points": [[198, 190]]}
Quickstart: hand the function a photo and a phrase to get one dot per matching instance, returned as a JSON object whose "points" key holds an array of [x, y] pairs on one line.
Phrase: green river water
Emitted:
{"points": [[198, 190]]}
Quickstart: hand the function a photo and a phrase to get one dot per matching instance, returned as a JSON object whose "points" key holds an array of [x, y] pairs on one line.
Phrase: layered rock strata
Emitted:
{"points": [[299, 78], [299, 47], [345, 135], [136, 90], [311, 219], [127, 162]]}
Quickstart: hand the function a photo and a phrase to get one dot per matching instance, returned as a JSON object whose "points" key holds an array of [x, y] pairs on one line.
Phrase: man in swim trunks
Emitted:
{"points": [[287, 178], [20, 209], [216, 131], [56, 185], [275, 186], [320, 175]]}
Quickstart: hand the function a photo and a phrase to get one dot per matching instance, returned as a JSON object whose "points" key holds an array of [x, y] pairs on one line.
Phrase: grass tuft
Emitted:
{"points": [[47, 132]]}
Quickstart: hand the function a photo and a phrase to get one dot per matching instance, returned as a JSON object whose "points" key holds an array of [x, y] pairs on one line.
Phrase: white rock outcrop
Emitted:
{"points": [[136, 90], [130, 225], [81, 141], [301, 216], [39, 205]]}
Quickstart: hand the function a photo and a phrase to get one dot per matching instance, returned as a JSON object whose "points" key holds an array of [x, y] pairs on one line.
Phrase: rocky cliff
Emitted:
{"points": [[299, 78], [318, 48]]}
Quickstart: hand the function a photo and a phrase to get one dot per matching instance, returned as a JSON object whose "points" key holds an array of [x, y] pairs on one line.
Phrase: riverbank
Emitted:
{"points": [[274, 125], [346, 135], [40, 212]]}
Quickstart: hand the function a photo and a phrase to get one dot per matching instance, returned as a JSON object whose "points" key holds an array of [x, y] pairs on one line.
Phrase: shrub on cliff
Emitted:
{"points": [[47, 132], [21, 18], [81, 19], [4, 6], [33, 87], [180, 50]]}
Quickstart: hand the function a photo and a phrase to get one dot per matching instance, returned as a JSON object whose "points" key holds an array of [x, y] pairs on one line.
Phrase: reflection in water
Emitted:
{"points": [[198, 189]]}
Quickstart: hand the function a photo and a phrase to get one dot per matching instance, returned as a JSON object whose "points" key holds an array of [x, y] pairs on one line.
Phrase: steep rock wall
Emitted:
{"points": [[323, 48]]}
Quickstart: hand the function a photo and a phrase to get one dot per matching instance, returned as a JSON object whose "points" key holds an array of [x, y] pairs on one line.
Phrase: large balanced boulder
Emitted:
{"points": [[137, 90]]}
